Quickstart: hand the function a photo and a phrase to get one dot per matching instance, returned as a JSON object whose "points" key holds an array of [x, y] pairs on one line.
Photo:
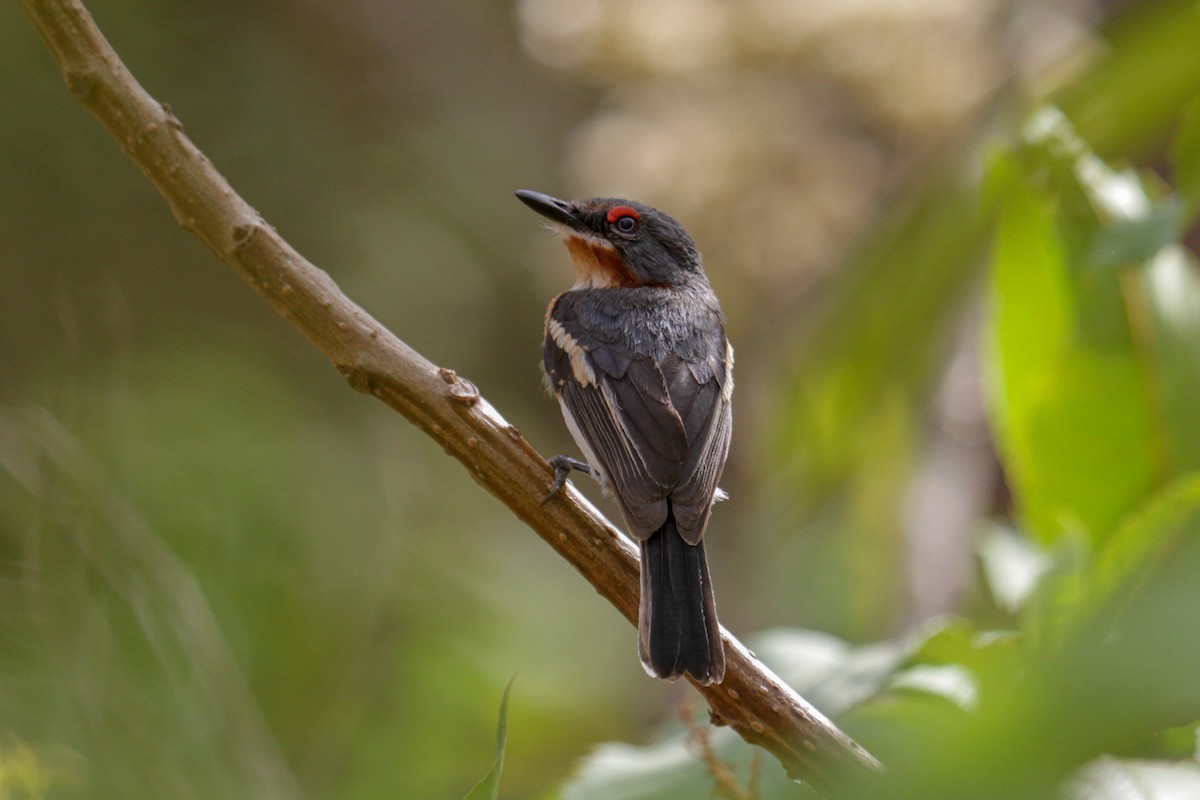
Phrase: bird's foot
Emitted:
{"points": [[562, 468]]}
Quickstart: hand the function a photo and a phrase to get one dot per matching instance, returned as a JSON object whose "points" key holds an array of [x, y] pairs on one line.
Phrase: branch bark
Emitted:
{"points": [[446, 406]]}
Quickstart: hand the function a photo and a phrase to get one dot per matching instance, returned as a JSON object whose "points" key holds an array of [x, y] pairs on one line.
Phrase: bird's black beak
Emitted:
{"points": [[551, 208]]}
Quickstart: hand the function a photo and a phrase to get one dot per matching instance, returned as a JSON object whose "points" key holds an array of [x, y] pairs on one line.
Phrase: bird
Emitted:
{"points": [[637, 356]]}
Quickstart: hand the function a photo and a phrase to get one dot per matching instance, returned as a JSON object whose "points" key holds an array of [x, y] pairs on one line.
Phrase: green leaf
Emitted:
{"points": [[829, 672], [489, 787], [1127, 562], [1089, 435], [1054, 604], [1067, 388], [961, 664], [952, 682], [1127, 663]]}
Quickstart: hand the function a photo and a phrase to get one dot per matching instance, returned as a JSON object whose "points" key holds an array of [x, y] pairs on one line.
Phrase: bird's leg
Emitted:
{"points": [[562, 468]]}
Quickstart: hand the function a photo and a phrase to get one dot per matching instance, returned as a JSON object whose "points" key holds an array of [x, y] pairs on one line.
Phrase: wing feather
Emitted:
{"points": [[693, 500]]}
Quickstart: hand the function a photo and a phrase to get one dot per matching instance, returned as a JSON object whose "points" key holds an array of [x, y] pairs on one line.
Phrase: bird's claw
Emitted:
{"points": [[562, 468]]}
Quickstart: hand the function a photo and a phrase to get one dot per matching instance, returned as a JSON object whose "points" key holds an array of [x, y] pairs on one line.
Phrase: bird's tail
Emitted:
{"points": [[678, 630]]}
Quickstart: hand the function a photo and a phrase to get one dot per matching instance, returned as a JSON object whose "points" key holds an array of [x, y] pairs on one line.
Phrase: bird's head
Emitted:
{"points": [[619, 243]]}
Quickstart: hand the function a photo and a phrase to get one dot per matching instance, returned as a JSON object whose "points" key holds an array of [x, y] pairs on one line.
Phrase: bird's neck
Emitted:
{"points": [[598, 265]]}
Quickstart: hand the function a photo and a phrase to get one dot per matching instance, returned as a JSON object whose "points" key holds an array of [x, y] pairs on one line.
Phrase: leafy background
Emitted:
{"points": [[955, 244]]}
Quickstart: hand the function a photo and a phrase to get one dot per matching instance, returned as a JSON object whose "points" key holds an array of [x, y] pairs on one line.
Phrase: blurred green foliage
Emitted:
{"points": [[224, 575], [1075, 422]]}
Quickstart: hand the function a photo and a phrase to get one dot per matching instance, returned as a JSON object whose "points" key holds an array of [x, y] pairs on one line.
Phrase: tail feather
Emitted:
{"points": [[678, 631]]}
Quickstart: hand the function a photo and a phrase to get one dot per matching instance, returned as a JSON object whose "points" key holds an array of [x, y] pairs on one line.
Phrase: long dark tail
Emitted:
{"points": [[677, 618]]}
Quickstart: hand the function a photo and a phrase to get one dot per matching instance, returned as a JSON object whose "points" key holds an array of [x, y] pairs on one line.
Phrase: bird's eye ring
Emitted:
{"points": [[623, 218]]}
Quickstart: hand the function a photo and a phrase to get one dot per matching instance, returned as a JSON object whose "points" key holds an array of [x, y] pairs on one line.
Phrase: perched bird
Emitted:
{"points": [[636, 354]]}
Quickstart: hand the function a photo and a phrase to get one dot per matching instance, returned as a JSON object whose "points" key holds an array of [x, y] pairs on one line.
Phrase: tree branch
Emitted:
{"points": [[760, 707]]}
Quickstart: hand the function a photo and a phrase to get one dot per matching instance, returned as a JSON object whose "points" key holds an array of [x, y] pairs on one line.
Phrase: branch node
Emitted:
{"points": [[244, 235], [463, 391], [172, 120], [448, 375], [358, 378], [81, 82]]}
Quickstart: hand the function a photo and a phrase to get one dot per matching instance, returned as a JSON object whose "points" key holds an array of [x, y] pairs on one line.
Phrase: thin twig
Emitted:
{"points": [[449, 408], [725, 783]]}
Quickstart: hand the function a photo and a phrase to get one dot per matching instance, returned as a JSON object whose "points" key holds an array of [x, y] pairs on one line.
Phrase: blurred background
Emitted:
{"points": [[222, 574]]}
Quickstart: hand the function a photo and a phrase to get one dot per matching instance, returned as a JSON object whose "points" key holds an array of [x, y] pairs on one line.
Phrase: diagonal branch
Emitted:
{"points": [[760, 707]]}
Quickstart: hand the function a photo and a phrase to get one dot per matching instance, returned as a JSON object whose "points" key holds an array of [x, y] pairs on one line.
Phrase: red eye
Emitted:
{"points": [[623, 218]]}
